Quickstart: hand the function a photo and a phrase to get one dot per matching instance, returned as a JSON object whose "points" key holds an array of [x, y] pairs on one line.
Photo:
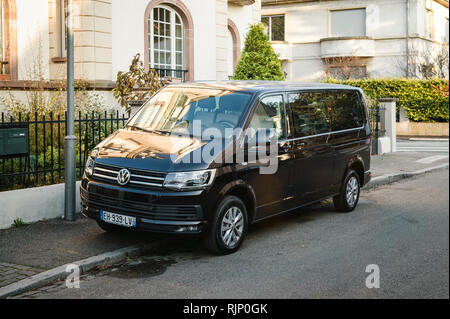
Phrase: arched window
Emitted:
{"points": [[166, 32], [169, 39]]}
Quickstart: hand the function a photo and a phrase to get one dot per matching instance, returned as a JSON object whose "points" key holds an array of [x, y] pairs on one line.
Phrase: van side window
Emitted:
{"points": [[309, 113], [270, 115], [346, 111]]}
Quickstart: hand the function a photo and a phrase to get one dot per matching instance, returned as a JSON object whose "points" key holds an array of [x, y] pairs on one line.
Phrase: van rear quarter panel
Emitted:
{"points": [[350, 147]]}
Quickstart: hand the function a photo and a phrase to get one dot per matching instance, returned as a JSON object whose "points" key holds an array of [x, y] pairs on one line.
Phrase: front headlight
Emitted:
{"points": [[89, 169], [189, 180], [94, 153]]}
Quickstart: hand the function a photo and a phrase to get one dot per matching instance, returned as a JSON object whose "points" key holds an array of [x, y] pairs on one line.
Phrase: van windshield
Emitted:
{"points": [[191, 111]]}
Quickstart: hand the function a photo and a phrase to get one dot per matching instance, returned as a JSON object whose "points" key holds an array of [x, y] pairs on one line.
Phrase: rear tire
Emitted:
{"points": [[348, 199], [109, 228], [228, 228]]}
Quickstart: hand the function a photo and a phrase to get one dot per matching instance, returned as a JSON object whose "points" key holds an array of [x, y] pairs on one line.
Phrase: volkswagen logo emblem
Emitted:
{"points": [[123, 177]]}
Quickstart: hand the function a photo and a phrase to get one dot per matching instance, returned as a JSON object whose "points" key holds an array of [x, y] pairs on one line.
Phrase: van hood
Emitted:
{"points": [[140, 150]]}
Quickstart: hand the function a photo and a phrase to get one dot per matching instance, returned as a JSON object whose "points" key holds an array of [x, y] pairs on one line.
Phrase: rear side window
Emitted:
{"points": [[345, 110], [309, 113], [316, 113]]}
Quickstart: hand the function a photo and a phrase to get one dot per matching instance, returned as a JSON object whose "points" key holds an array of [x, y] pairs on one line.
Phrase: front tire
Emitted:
{"points": [[348, 199], [228, 228]]}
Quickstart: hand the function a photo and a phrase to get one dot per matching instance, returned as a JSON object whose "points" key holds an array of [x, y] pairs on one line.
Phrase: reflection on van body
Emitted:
{"points": [[162, 173]]}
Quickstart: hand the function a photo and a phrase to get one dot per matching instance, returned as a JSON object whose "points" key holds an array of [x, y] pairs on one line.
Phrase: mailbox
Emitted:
{"points": [[14, 140]]}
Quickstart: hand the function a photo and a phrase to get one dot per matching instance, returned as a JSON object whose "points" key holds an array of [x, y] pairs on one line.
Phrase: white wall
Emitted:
{"points": [[41, 203], [32, 37], [441, 15], [243, 18], [307, 23], [128, 35]]}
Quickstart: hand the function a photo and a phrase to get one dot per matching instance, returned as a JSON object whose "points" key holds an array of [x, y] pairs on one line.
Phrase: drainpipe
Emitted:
{"points": [[407, 38]]}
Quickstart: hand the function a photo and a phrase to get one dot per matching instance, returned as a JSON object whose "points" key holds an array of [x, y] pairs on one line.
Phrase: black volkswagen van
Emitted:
{"points": [[186, 163]]}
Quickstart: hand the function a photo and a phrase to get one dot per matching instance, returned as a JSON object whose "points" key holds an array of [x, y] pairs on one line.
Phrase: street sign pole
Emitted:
{"points": [[71, 140]]}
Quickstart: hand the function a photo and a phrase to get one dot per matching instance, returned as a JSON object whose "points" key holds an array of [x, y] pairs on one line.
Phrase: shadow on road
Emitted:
{"points": [[191, 246], [53, 243]]}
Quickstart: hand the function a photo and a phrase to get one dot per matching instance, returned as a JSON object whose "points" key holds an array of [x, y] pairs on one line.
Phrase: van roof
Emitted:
{"points": [[261, 86]]}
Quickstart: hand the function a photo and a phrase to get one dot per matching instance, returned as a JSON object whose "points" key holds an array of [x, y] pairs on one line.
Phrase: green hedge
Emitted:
{"points": [[423, 100]]}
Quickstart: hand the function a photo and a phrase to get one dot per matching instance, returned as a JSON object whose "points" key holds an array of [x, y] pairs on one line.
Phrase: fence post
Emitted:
{"points": [[388, 121]]}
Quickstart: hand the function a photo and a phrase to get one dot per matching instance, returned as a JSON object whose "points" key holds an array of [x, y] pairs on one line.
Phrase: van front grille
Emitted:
{"points": [[108, 174], [141, 209]]}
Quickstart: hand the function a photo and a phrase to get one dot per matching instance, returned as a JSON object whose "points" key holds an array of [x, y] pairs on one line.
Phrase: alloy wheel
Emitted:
{"points": [[232, 227], [352, 191]]}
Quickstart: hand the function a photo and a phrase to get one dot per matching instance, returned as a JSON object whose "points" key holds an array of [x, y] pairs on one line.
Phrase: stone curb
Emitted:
{"points": [[59, 273], [392, 178]]}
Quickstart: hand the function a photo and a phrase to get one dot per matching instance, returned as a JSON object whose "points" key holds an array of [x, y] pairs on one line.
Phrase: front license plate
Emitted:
{"points": [[116, 219]]}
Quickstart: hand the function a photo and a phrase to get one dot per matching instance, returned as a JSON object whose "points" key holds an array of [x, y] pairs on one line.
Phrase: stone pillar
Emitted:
{"points": [[221, 40], [403, 115], [388, 122], [403, 125], [93, 40]]}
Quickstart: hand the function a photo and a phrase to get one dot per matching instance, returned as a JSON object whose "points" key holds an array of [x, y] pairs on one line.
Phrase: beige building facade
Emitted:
{"points": [[183, 39], [359, 38]]}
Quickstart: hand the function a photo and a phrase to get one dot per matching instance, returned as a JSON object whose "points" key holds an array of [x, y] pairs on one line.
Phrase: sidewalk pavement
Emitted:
{"points": [[10, 273], [49, 244], [405, 162]]}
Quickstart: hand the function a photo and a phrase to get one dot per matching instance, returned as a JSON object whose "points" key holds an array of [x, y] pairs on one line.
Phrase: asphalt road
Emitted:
{"points": [[312, 253]]}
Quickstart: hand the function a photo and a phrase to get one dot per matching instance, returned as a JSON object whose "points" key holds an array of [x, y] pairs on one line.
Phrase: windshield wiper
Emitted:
{"points": [[161, 132], [149, 131]]}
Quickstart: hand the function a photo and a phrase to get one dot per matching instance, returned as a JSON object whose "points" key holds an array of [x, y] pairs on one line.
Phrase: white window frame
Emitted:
{"points": [[173, 39], [269, 31]]}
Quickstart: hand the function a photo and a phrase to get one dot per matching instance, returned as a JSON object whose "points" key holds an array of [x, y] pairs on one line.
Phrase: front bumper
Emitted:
{"points": [[154, 212]]}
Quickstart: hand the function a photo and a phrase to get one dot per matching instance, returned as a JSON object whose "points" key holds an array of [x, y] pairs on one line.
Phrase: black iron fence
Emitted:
{"points": [[44, 165]]}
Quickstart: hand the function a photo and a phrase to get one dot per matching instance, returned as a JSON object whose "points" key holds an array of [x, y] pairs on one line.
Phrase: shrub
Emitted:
{"points": [[258, 61], [423, 100], [137, 84]]}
